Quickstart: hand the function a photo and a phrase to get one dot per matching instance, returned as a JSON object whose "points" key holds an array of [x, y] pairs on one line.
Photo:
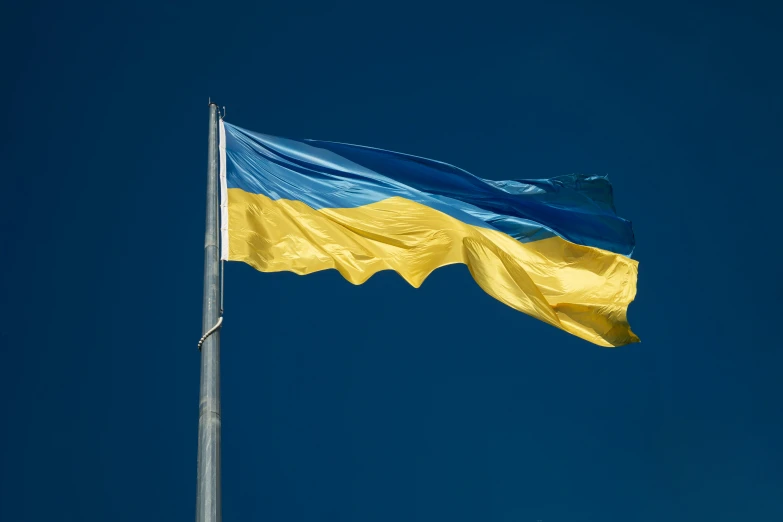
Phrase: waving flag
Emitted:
{"points": [[552, 248]]}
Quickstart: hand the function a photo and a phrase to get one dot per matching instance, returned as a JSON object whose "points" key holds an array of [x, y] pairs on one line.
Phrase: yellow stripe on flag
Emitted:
{"points": [[582, 290]]}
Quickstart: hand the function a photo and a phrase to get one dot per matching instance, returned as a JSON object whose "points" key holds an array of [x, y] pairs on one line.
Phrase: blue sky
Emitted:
{"points": [[382, 402]]}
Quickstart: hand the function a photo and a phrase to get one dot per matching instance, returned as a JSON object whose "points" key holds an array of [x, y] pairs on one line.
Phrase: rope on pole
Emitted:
{"points": [[210, 332]]}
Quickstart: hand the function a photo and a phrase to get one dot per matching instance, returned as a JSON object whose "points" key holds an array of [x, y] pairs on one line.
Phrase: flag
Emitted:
{"points": [[551, 248]]}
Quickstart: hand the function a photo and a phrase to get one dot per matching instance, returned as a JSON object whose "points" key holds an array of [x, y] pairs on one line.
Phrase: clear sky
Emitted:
{"points": [[384, 403]]}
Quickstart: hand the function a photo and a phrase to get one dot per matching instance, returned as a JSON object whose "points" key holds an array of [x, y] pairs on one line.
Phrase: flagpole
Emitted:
{"points": [[208, 506]]}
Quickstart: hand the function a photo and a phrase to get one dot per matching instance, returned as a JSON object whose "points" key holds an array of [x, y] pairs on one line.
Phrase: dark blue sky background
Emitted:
{"points": [[381, 402]]}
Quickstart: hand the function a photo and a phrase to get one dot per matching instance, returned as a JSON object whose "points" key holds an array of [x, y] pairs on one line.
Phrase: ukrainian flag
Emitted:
{"points": [[552, 248]]}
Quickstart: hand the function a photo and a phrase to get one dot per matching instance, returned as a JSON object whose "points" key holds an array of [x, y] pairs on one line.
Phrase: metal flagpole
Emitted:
{"points": [[208, 508]]}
